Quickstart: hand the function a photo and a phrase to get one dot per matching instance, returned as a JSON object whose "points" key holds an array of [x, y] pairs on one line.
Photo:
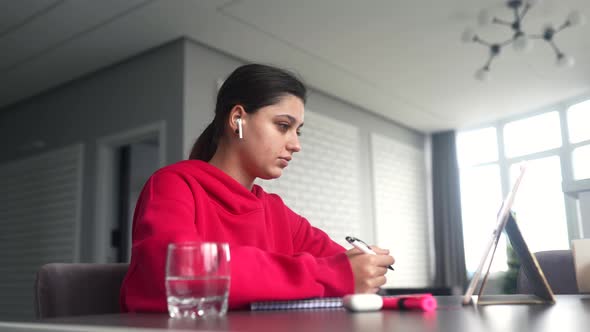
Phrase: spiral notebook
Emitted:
{"points": [[327, 303]]}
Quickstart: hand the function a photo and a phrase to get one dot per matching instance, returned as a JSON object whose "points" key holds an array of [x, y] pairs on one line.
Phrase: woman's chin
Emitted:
{"points": [[272, 174]]}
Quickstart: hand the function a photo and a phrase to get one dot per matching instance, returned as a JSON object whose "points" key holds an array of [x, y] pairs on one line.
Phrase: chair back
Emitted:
{"points": [[558, 267], [66, 289]]}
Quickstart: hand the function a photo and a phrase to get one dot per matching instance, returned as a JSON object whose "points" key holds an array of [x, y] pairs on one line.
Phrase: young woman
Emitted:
{"points": [[275, 253]]}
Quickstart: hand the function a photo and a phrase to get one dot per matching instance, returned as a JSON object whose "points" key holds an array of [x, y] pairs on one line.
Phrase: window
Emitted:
{"points": [[539, 204], [578, 118], [481, 197], [488, 168], [477, 146], [481, 194], [581, 162], [533, 134]]}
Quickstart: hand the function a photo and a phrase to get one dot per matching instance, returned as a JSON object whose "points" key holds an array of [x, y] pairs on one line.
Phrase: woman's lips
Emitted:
{"points": [[284, 162]]}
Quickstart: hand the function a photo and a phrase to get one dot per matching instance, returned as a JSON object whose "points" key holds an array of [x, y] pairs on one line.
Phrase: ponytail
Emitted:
{"points": [[206, 144]]}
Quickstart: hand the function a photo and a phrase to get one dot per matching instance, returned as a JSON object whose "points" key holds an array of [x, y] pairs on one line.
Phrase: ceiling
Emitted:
{"points": [[401, 59]]}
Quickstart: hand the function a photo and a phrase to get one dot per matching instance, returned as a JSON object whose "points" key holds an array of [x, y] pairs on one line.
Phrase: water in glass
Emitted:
{"points": [[196, 297]]}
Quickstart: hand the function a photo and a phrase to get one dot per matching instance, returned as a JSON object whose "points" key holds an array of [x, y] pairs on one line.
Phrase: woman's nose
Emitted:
{"points": [[294, 144]]}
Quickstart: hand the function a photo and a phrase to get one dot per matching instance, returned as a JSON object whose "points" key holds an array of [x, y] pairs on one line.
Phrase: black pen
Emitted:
{"points": [[362, 246]]}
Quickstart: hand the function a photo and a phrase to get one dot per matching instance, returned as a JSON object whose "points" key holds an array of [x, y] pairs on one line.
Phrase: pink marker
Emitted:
{"points": [[373, 302], [424, 302]]}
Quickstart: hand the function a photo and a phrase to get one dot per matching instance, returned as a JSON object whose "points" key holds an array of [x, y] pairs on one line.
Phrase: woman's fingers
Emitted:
{"points": [[380, 251], [353, 251], [369, 271], [385, 260]]}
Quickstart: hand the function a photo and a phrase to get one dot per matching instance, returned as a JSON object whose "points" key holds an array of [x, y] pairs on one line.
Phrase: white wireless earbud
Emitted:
{"points": [[239, 122]]}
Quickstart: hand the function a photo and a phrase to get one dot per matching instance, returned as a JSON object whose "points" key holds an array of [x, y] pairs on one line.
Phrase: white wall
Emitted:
{"points": [[367, 123], [204, 67]]}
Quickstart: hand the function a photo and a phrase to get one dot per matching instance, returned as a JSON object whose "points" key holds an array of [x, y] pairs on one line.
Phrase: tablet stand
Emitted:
{"points": [[542, 291]]}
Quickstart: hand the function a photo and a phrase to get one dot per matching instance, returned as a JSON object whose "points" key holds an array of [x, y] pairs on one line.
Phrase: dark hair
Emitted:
{"points": [[252, 86]]}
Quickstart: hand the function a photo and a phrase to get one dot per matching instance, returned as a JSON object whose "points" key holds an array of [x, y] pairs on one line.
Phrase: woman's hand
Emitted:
{"points": [[369, 270]]}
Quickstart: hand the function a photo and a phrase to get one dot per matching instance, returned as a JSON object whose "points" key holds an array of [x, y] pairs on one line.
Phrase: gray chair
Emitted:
{"points": [[78, 289], [558, 268]]}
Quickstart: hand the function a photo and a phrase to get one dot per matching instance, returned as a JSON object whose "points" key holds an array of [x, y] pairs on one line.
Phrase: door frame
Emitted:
{"points": [[105, 212]]}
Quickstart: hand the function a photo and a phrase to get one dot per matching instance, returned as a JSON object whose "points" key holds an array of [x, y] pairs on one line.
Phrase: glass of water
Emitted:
{"points": [[197, 279]]}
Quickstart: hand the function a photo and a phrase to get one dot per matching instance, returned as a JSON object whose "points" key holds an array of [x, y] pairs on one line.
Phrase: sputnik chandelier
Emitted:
{"points": [[520, 40]]}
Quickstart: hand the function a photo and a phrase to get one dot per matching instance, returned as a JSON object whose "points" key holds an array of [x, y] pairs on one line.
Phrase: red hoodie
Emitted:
{"points": [[275, 253]]}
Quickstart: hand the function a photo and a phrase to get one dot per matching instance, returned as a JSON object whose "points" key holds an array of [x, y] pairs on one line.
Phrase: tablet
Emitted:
{"points": [[507, 221]]}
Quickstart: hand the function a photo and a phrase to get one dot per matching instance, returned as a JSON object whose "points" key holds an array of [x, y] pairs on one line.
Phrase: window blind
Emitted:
{"points": [[39, 220], [401, 210]]}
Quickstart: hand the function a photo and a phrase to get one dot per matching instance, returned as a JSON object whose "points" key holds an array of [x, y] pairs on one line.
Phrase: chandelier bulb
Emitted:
{"points": [[468, 35], [483, 74], [575, 18], [565, 61]]}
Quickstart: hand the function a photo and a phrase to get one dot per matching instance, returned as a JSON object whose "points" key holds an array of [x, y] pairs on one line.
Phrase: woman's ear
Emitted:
{"points": [[236, 119]]}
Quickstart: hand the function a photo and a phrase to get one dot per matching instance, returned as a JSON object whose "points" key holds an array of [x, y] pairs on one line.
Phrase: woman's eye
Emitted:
{"points": [[284, 126]]}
